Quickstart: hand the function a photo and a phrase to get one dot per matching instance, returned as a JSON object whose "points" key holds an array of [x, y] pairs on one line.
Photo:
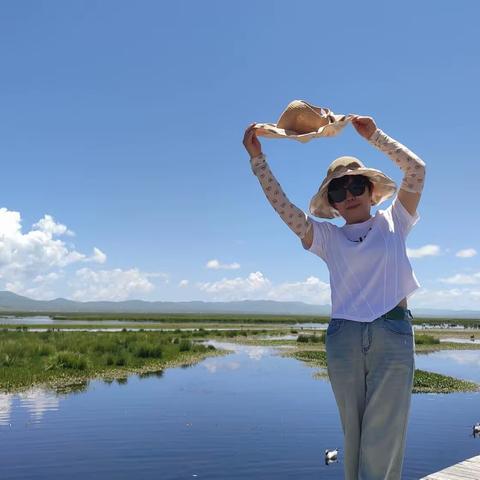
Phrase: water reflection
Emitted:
{"points": [[459, 340], [215, 365], [6, 401], [36, 402], [463, 364], [252, 414], [279, 337], [156, 374], [251, 351], [78, 387]]}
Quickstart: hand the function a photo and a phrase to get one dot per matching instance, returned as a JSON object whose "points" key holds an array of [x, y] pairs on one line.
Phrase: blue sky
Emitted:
{"points": [[124, 173]]}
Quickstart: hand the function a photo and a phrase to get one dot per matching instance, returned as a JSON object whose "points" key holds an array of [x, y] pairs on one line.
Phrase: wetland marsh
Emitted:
{"points": [[255, 404]]}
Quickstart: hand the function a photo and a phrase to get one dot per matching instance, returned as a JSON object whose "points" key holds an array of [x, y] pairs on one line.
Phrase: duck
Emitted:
{"points": [[331, 455], [476, 429]]}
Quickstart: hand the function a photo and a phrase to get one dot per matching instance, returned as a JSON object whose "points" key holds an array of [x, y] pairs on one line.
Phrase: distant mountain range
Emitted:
{"points": [[11, 302]]}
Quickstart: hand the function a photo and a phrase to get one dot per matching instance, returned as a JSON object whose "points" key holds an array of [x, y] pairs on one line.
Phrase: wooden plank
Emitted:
{"points": [[468, 469]]}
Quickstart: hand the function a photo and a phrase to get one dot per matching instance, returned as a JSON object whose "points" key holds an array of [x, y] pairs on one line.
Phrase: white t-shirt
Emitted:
{"points": [[367, 278]]}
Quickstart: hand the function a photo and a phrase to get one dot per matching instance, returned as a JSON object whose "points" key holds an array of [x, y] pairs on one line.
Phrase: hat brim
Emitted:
{"points": [[384, 188], [270, 130]]}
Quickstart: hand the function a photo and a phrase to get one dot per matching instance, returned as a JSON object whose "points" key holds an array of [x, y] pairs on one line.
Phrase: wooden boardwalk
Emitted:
{"points": [[469, 469]]}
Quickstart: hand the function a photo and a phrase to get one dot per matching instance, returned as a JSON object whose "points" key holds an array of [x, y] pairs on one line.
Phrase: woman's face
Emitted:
{"points": [[355, 209]]}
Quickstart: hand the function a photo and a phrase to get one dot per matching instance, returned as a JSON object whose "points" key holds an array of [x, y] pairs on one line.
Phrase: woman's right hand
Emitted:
{"points": [[251, 142]]}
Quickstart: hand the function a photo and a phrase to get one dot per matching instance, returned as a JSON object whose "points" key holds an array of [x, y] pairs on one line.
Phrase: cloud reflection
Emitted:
{"points": [[215, 365], [35, 401], [463, 358], [252, 351], [256, 353], [38, 401], [6, 401]]}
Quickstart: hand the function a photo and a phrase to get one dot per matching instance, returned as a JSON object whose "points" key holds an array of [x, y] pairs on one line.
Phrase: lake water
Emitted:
{"points": [[45, 320], [251, 414]]}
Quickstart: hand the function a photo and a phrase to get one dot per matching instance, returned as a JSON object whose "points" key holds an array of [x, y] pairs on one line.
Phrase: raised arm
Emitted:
{"points": [[412, 166], [296, 219]]}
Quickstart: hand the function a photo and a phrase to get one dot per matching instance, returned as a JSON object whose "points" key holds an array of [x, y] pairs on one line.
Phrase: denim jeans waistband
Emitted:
{"points": [[397, 313]]}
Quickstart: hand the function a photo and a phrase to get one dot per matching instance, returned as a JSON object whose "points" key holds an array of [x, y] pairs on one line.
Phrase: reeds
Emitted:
{"points": [[422, 339], [27, 358]]}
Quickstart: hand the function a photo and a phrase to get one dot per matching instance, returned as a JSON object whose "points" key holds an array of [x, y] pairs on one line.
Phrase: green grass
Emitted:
{"points": [[313, 357], [422, 339], [429, 382], [182, 318], [29, 358], [304, 338]]}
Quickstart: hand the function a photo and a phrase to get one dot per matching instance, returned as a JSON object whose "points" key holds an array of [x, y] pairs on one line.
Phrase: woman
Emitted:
{"points": [[369, 340]]}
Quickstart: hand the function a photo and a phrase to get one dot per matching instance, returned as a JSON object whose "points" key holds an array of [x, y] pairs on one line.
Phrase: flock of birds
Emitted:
{"points": [[331, 456]]}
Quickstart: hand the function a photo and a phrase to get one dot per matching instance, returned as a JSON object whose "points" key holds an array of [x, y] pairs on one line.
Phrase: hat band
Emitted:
{"points": [[350, 166]]}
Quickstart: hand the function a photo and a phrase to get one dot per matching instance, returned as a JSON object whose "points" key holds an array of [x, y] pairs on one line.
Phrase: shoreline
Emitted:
{"points": [[72, 382]]}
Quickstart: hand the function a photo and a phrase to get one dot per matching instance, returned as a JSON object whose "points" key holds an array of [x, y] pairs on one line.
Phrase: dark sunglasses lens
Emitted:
{"points": [[337, 191], [338, 195], [357, 188]]}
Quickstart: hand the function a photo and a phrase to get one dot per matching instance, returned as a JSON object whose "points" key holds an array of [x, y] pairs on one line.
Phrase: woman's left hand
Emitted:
{"points": [[365, 126]]}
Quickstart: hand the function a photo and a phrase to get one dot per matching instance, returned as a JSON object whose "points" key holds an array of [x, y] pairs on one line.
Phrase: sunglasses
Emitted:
{"points": [[337, 189]]}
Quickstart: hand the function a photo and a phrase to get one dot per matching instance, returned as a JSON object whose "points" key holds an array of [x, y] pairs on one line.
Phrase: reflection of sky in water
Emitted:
{"points": [[464, 364], [251, 351], [279, 337], [250, 414], [6, 401], [459, 340], [213, 365], [36, 402]]}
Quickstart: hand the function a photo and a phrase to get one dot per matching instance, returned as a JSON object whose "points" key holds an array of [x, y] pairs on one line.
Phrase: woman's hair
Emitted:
{"points": [[342, 181]]}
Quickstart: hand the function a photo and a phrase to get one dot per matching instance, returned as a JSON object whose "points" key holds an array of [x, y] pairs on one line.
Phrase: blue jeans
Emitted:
{"points": [[371, 367]]}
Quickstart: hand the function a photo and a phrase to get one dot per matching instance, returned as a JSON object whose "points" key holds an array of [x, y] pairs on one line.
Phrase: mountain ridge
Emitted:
{"points": [[12, 302]]}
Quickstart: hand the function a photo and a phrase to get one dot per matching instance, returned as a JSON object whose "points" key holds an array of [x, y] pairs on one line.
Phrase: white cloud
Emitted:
{"points": [[165, 277], [458, 298], [425, 251], [256, 286], [48, 225], [312, 290], [113, 285], [98, 256], [237, 288], [216, 265], [462, 279], [183, 283], [31, 262], [42, 288], [35, 264], [49, 277], [466, 253]]}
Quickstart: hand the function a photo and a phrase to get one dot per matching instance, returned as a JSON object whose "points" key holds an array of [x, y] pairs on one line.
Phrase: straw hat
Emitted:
{"points": [[302, 121], [383, 187]]}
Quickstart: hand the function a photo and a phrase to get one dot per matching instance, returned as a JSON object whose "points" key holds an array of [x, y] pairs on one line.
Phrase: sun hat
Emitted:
{"points": [[383, 187], [303, 121]]}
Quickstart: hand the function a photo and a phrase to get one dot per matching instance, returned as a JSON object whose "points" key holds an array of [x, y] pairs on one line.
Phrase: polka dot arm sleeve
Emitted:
{"points": [[411, 165], [295, 218]]}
